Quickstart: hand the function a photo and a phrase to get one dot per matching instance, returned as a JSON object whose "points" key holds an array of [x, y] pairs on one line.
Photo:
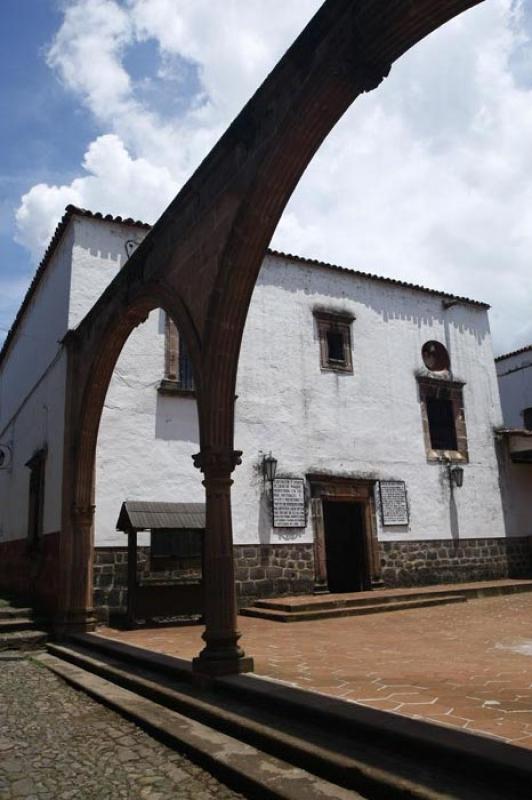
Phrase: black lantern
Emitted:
{"points": [[269, 466], [456, 475]]}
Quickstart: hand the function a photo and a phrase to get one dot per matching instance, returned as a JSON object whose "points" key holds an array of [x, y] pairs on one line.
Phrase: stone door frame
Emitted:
{"points": [[351, 490]]}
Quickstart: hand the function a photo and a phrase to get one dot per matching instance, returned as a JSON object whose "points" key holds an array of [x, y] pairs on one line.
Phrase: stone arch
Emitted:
{"points": [[90, 372], [205, 252]]}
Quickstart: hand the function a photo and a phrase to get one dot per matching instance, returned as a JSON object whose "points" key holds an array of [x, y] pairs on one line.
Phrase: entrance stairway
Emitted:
{"points": [[19, 630], [327, 606], [269, 740]]}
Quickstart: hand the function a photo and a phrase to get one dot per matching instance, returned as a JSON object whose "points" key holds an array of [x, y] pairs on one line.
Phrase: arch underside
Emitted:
{"points": [[201, 260]]}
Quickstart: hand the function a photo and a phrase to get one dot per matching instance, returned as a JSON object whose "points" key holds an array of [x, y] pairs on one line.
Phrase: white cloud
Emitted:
{"points": [[425, 179]]}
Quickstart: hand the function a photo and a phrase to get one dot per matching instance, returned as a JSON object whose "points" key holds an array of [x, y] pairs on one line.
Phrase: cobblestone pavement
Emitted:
{"points": [[58, 744], [467, 665]]}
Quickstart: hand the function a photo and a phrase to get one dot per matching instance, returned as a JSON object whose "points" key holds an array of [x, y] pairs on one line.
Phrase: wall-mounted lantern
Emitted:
{"points": [[269, 467], [456, 476]]}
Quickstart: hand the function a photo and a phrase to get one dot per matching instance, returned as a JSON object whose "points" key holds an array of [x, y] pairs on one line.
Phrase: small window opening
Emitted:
{"points": [[334, 331], [527, 419], [442, 428], [335, 346]]}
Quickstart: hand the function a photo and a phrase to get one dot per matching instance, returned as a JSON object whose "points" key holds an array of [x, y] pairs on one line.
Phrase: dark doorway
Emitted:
{"points": [[344, 546]]}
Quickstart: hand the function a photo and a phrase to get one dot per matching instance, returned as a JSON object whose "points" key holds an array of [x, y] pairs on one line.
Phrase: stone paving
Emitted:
{"points": [[467, 665], [58, 744]]}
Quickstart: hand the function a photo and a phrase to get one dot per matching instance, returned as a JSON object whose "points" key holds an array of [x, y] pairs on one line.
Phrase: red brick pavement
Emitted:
{"points": [[467, 665]]}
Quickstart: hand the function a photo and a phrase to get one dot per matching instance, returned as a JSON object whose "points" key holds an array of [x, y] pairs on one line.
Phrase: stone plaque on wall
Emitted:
{"points": [[289, 503], [394, 505]]}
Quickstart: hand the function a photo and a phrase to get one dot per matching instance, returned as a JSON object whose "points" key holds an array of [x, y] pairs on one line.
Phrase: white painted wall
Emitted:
{"points": [[515, 386], [32, 395], [33, 373], [363, 425], [367, 424], [99, 252]]}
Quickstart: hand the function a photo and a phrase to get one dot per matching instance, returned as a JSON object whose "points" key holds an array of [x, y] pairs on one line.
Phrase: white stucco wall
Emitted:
{"points": [[32, 397], [365, 425], [146, 440], [99, 252], [38, 423], [515, 386]]}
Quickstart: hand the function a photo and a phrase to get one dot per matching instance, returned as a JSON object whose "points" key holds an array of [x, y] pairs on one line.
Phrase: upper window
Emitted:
{"points": [[435, 356], [178, 375], [442, 410], [36, 465], [527, 418], [334, 331]]}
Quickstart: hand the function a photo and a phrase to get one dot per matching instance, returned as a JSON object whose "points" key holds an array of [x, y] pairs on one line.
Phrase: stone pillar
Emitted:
{"points": [[79, 615], [221, 654]]}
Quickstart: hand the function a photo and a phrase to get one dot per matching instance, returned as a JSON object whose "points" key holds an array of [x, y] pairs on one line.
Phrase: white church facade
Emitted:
{"points": [[378, 401]]}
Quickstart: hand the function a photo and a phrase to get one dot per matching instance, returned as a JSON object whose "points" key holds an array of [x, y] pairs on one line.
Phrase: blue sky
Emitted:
{"points": [[111, 104]]}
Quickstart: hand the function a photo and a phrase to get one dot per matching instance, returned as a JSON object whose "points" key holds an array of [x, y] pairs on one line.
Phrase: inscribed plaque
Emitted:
{"points": [[289, 503], [394, 505]]}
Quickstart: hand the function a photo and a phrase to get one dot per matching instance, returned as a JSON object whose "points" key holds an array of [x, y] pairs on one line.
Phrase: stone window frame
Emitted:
{"points": [[339, 322], [429, 386], [173, 382]]}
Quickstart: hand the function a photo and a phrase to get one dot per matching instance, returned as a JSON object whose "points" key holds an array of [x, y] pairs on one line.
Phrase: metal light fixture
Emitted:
{"points": [[456, 476], [269, 467]]}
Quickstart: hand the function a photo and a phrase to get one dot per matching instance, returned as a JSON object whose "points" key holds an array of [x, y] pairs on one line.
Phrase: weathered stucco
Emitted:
{"points": [[365, 425]]}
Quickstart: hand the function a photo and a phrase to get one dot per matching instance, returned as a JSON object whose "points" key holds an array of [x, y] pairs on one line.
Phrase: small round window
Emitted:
{"points": [[435, 356]]}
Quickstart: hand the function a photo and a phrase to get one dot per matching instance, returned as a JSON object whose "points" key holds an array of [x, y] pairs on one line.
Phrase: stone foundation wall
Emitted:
{"points": [[444, 561], [266, 571], [273, 570]]}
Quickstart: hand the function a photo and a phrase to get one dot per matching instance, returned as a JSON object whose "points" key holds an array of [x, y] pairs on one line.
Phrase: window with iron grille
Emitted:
{"points": [[442, 411], [178, 375]]}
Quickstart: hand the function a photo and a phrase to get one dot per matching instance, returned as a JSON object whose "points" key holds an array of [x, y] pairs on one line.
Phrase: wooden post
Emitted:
{"points": [[131, 576], [321, 585]]}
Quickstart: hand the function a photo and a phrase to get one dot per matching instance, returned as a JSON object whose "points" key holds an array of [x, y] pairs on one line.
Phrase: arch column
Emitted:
{"points": [[221, 655]]}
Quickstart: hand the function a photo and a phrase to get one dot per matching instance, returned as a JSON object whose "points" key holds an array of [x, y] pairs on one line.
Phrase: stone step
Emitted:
{"points": [[16, 624], [319, 602], [377, 754], [11, 612], [470, 590], [240, 765], [23, 640], [348, 610]]}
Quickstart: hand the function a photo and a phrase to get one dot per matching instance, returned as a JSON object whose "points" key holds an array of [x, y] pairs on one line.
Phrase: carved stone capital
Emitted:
{"points": [[217, 463]]}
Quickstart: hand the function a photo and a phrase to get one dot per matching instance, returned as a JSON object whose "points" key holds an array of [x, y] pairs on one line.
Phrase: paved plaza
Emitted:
{"points": [[58, 744], [467, 665]]}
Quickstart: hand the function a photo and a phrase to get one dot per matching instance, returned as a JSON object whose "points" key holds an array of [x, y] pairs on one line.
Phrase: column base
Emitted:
{"points": [[73, 622], [218, 667]]}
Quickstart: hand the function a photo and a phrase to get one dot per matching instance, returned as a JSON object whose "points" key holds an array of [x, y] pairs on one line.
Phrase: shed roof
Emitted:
{"points": [[143, 515]]}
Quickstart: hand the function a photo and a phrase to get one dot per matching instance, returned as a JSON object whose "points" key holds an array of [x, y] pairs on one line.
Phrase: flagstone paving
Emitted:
{"points": [[467, 666], [58, 744]]}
